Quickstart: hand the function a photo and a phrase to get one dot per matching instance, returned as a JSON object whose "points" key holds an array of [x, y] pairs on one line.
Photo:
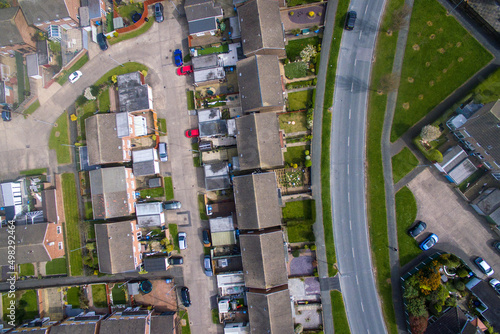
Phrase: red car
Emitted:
{"points": [[192, 133], [184, 70]]}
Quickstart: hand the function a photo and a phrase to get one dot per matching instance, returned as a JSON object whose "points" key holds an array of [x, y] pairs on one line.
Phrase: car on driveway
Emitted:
{"points": [[73, 77], [175, 260], [178, 57], [186, 299], [496, 245], [483, 266], [429, 242], [185, 70], [417, 229], [172, 205], [192, 133], [350, 20], [101, 40], [206, 238], [181, 236], [207, 264], [158, 12], [495, 284], [162, 152]]}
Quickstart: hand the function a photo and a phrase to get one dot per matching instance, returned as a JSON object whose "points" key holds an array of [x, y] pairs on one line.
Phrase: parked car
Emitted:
{"points": [[483, 266], [417, 229], [184, 70], [207, 264], [6, 116], [186, 300], [158, 12], [495, 284], [429, 242], [172, 205], [175, 260], [178, 57], [206, 238], [73, 77], [496, 245], [162, 152], [101, 40], [192, 133], [350, 20], [181, 236]]}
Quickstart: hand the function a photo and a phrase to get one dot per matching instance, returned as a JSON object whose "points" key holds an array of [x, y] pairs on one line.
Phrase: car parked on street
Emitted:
{"points": [[185, 70], [417, 229], [429, 242], [186, 299], [174, 260], [178, 57], [181, 236], [496, 245], [101, 40], [73, 77], [162, 152], [350, 20], [484, 266], [495, 284], [172, 205], [159, 12], [206, 238], [6, 116], [192, 133], [207, 264]]}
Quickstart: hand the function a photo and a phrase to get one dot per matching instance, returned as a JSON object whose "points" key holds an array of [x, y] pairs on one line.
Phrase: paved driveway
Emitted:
{"points": [[461, 231]]}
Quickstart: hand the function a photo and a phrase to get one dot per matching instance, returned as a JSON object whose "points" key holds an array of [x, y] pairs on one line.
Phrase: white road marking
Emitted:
{"points": [[348, 141], [357, 282], [349, 113], [353, 256], [348, 194], [360, 33], [350, 227], [352, 86], [366, 8], [362, 308], [355, 62]]}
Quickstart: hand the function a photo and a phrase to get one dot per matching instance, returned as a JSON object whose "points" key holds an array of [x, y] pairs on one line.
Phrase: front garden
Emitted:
{"points": [[299, 216], [302, 57]]}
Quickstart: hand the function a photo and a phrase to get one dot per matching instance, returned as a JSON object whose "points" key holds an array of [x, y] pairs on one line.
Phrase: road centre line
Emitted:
{"points": [[349, 113]]}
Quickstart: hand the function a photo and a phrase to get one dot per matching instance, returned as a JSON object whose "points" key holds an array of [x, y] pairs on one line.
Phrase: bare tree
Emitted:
{"points": [[399, 17]]}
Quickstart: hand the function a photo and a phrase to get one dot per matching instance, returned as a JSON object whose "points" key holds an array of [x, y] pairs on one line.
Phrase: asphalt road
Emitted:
{"points": [[348, 170]]}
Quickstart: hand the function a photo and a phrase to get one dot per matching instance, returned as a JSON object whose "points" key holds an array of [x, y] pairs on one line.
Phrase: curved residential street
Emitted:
{"points": [[348, 170]]}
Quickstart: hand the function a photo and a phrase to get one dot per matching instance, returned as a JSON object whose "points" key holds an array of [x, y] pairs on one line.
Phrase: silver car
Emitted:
{"points": [[182, 240]]}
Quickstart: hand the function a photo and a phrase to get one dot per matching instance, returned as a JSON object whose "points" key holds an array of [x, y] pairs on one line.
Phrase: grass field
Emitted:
{"points": [[31, 109], [72, 229], [406, 212], [31, 172], [300, 100], [26, 269], [76, 66], [104, 101], [57, 267], [59, 137], [118, 295], [73, 296], [402, 164], [296, 45], [440, 56], [296, 70], [296, 154], [99, 295], [169, 188], [298, 117], [139, 31], [126, 68], [338, 312]]}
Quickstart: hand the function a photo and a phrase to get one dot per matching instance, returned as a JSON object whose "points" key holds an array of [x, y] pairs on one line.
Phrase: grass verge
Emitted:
{"points": [[402, 164], [338, 312], [406, 212], [76, 66], [71, 228], [26, 269], [172, 228], [31, 109], [201, 206], [31, 172], [59, 138], [190, 100], [57, 267], [169, 188], [162, 126], [126, 68], [186, 329], [139, 31]]}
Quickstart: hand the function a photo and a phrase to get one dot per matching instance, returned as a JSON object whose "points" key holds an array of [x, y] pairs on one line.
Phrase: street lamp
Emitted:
{"points": [[39, 120], [116, 61]]}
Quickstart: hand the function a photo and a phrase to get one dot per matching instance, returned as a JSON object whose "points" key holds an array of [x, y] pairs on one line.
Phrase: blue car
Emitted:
{"points": [[429, 242], [178, 57]]}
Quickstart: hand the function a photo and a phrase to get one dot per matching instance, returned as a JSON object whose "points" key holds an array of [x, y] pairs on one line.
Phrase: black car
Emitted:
{"points": [[496, 245], [175, 260], [350, 20], [101, 40], [186, 300], [417, 229], [158, 12], [6, 115]]}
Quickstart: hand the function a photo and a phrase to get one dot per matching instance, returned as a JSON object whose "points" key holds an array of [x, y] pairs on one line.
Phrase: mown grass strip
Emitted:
{"points": [[402, 164], [338, 312], [169, 188], [31, 172], [59, 140], [72, 229], [128, 35], [31, 109], [125, 68], [406, 212]]}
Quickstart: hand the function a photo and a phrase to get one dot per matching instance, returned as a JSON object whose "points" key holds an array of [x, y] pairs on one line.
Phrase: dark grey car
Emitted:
{"points": [[159, 12]]}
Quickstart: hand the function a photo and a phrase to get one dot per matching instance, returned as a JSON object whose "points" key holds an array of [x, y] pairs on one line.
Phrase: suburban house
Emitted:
{"points": [[211, 124], [488, 204], [16, 34], [203, 17], [259, 142], [257, 201], [112, 191], [150, 215], [39, 242], [6, 92], [453, 321], [261, 28], [270, 313], [481, 136], [35, 326], [259, 82], [11, 200], [133, 92], [488, 298], [84, 323], [222, 231], [50, 15], [145, 162], [52, 211], [209, 76], [91, 11], [118, 247], [217, 176], [456, 166]]}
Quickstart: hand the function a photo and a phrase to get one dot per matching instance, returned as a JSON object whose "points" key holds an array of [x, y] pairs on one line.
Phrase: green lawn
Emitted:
{"points": [[384, 55], [172, 229], [300, 230], [299, 118], [190, 100], [299, 209], [202, 208], [299, 217], [338, 312], [76, 66], [126, 11], [406, 212], [402, 164], [31, 172], [296, 154], [31, 109], [21, 69], [152, 192], [104, 101], [186, 329], [297, 69], [29, 298], [126, 68], [162, 126], [488, 90], [99, 295], [169, 188], [296, 45], [59, 137], [128, 35], [118, 295], [72, 228], [440, 56], [292, 3], [57, 267], [85, 111], [300, 100], [213, 49], [73, 296], [26, 269], [89, 212]]}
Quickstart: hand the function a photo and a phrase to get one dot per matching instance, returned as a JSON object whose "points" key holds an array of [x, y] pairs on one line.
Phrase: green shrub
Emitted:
{"points": [[308, 163], [435, 309], [295, 253], [81, 100], [462, 272], [459, 285], [313, 247], [94, 90], [435, 156]]}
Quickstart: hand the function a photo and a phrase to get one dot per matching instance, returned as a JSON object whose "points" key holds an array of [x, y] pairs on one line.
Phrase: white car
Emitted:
{"points": [[182, 240], [485, 267], [73, 77], [495, 284]]}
